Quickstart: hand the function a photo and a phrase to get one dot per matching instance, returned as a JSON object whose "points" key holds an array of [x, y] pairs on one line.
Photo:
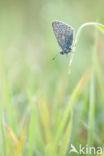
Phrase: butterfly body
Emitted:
{"points": [[64, 35], [66, 51]]}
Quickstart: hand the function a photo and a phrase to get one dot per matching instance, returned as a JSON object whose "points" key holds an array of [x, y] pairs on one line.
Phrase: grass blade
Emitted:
{"points": [[34, 135], [79, 88], [67, 136], [101, 27], [91, 114]]}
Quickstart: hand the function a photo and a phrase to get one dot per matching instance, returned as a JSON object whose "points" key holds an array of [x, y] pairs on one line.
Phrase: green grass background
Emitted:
{"points": [[43, 109]]}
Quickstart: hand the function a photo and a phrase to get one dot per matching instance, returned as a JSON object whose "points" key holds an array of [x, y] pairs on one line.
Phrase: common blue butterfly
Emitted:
{"points": [[64, 35]]}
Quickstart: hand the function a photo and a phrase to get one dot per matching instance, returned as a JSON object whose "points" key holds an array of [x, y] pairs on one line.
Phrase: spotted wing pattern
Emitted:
{"points": [[64, 34]]}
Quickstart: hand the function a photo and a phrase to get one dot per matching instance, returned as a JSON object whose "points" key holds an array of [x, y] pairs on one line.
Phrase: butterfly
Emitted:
{"points": [[64, 35]]}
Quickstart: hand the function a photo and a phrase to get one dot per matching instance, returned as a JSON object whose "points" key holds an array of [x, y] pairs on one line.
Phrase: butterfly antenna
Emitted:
{"points": [[55, 56]]}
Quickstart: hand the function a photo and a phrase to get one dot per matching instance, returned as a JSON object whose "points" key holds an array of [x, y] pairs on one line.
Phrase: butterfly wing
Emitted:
{"points": [[64, 34]]}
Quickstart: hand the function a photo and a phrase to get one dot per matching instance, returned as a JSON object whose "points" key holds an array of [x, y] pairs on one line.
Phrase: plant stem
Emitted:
{"points": [[92, 98], [77, 38], [81, 27]]}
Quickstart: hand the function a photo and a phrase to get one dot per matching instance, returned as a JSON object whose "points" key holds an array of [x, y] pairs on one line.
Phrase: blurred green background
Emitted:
{"points": [[36, 91]]}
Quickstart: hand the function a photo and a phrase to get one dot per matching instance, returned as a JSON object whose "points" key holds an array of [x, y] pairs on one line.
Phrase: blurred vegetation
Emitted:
{"points": [[43, 109]]}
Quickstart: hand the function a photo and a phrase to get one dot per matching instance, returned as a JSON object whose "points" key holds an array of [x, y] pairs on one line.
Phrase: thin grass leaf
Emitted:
{"points": [[79, 88], [11, 139], [4, 144], [45, 119], [11, 133], [34, 135], [21, 143], [31, 128], [91, 114], [60, 95], [67, 136], [46, 127], [10, 145], [6, 97], [91, 119], [101, 27], [100, 79]]}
